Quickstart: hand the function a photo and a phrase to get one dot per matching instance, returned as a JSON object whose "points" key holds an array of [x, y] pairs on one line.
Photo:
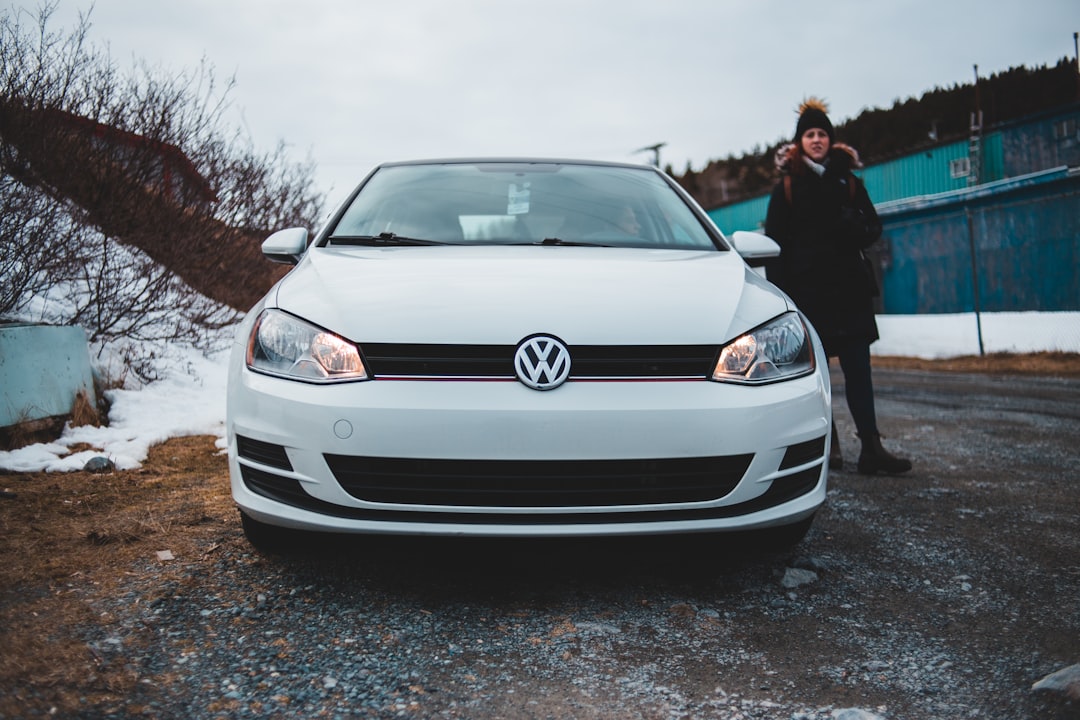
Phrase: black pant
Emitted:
{"points": [[854, 356]]}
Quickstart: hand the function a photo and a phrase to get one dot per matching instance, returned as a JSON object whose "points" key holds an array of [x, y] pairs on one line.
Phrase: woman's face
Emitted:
{"points": [[815, 143]]}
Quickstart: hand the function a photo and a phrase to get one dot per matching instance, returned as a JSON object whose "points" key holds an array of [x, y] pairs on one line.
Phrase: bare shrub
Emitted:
{"points": [[127, 205], [39, 245]]}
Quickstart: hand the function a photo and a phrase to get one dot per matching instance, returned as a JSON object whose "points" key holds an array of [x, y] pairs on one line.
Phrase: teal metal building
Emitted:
{"points": [[1006, 241]]}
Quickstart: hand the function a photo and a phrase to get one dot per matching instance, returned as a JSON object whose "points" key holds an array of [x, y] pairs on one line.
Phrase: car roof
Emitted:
{"points": [[519, 161]]}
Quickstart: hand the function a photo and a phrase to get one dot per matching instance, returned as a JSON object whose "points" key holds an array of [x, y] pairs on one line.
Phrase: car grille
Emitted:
{"points": [[537, 483], [497, 361], [288, 491]]}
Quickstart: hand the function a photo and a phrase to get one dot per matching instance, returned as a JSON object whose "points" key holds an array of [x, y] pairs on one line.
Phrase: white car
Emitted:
{"points": [[522, 347]]}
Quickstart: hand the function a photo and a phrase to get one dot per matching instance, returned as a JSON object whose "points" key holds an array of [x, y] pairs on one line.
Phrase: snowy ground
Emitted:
{"points": [[942, 336], [190, 397]]}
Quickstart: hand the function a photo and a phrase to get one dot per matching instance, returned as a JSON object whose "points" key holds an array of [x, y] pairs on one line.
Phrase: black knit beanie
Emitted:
{"points": [[812, 115]]}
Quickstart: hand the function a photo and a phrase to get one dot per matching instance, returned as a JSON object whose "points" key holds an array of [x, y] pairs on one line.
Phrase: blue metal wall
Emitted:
{"points": [[929, 172], [746, 215], [1041, 142], [1013, 245]]}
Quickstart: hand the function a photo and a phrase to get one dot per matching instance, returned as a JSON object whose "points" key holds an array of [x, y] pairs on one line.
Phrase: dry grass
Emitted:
{"points": [[83, 411], [70, 538], [26, 432], [1048, 364]]}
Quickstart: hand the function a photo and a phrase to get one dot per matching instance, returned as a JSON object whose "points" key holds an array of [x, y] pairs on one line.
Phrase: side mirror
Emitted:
{"points": [[286, 246], [754, 246]]}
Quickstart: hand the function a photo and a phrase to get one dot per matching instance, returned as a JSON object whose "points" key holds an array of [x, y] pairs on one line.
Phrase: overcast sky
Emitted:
{"points": [[355, 83]]}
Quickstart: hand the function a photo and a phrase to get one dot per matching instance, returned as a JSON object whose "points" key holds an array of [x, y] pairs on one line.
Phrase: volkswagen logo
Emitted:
{"points": [[542, 362]]}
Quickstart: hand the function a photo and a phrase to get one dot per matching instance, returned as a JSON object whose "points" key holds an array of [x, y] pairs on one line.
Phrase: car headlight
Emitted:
{"points": [[288, 347], [778, 350]]}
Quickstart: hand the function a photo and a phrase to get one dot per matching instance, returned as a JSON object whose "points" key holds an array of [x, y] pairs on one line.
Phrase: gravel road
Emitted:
{"points": [[944, 594]]}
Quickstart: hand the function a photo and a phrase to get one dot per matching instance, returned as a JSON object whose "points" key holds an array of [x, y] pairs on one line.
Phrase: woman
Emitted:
{"points": [[822, 218]]}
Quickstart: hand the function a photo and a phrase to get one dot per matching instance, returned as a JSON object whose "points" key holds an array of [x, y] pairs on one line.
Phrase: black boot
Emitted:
{"points": [[836, 458], [874, 459]]}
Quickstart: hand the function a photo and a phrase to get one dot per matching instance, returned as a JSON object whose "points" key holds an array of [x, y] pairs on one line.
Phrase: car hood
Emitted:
{"points": [[501, 294]]}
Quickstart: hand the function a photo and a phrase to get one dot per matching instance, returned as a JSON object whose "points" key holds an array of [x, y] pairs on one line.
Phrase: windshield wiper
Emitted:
{"points": [[564, 243], [385, 238]]}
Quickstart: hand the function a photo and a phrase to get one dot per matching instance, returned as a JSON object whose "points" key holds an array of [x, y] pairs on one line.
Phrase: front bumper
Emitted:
{"points": [[499, 459]]}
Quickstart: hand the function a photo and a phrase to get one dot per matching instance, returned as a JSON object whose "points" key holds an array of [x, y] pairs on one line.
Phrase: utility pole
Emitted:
{"points": [[975, 294], [655, 150], [1076, 56], [974, 176]]}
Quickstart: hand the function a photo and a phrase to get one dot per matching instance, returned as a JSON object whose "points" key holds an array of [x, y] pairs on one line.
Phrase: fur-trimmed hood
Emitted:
{"points": [[787, 161]]}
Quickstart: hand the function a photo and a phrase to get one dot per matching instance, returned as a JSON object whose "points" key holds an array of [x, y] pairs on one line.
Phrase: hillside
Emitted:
{"points": [[939, 116]]}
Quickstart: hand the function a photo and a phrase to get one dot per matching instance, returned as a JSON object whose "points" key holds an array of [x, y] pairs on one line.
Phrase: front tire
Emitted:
{"points": [[753, 545], [271, 539], [788, 536], [769, 541]]}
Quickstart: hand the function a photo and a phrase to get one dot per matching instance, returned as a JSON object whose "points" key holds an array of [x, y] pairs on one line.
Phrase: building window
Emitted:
{"points": [[960, 168]]}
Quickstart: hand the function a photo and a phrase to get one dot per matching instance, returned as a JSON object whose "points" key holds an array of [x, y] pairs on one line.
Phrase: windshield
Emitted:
{"points": [[520, 203]]}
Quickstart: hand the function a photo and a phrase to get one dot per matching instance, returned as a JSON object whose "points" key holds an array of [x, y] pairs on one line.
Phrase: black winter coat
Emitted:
{"points": [[822, 232]]}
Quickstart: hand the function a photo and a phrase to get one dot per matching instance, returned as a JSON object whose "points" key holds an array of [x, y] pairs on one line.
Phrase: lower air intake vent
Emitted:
{"points": [[262, 452], [538, 483]]}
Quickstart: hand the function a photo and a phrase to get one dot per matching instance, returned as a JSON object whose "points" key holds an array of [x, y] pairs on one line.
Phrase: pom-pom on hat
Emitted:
{"points": [[812, 115]]}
